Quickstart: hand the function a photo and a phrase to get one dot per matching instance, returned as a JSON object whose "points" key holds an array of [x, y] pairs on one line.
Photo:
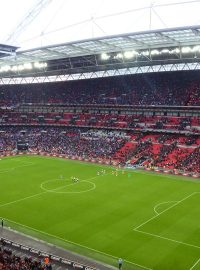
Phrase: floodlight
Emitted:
{"points": [[5, 68], [28, 66], [155, 52], [14, 68], [119, 56], [186, 50], [36, 64], [40, 65], [145, 53], [130, 54], [176, 50], [21, 67], [165, 51], [196, 48], [105, 56]]}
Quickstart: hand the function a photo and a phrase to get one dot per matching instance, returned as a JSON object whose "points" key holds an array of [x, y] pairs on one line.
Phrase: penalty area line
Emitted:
{"points": [[178, 202], [195, 264], [156, 206], [166, 238]]}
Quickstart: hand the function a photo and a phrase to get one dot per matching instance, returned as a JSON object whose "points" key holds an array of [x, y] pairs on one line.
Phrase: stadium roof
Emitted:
{"points": [[156, 39], [140, 52], [7, 50]]}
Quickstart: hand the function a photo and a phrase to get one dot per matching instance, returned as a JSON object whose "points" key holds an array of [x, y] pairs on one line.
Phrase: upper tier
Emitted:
{"points": [[173, 88]]}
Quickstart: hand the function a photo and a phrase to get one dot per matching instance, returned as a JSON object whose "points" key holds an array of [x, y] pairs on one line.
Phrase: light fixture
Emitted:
{"points": [[186, 49], [105, 56], [145, 53], [130, 54], [165, 51], [119, 56], [155, 52]]}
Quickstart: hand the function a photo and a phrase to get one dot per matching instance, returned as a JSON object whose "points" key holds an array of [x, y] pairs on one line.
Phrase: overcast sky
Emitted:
{"points": [[70, 20]]}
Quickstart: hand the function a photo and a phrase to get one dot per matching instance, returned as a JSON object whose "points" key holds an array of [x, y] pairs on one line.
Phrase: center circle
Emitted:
{"points": [[66, 183]]}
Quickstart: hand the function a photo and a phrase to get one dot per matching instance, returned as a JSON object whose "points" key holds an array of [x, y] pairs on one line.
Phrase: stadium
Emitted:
{"points": [[100, 137]]}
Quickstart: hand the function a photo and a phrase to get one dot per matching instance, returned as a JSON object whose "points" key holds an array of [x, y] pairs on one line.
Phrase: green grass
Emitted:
{"points": [[150, 220]]}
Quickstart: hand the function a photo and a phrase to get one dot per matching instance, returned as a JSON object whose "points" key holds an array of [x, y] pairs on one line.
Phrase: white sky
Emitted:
{"points": [[70, 20]]}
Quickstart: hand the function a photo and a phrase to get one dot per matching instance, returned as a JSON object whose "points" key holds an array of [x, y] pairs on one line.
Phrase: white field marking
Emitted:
{"points": [[112, 167], [86, 163], [166, 238], [28, 197], [161, 204], [13, 168], [19, 200], [76, 244], [53, 190], [7, 170], [17, 158], [108, 166], [67, 192], [195, 264], [174, 177], [23, 199], [178, 202], [75, 192]]}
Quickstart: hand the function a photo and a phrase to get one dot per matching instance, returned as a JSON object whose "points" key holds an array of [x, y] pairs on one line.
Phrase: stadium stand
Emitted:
{"points": [[146, 120], [175, 89], [20, 256], [141, 111], [168, 151]]}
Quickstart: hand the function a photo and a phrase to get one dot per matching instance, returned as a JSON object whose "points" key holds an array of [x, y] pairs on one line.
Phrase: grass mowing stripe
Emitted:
{"points": [[14, 168], [103, 219], [71, 242], [195, 264], [174, 177], [168, 239], [35, 195], [154, 209], [23, 199], [178, 202]]}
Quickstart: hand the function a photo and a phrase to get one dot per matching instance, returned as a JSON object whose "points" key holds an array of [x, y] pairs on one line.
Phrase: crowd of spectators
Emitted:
{"points": [[72, 138], [165, 150], [68, 141], [172, 88], [9, 261], [190, 162], [102, 120], [172, 151]]}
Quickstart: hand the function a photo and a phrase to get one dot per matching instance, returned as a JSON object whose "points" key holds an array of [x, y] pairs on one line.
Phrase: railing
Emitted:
{"points": [[41, 253]]}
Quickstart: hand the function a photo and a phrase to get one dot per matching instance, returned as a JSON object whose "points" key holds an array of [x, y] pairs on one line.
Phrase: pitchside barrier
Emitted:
{"points": [[173, 171], [52, 257], [105, 162]]}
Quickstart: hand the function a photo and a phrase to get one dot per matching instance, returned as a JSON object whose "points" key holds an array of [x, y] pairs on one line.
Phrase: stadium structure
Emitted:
{"points": [[129, 101]]}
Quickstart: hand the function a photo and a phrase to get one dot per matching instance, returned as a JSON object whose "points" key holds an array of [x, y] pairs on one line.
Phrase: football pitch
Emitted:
{"points": [[151, 221]]}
